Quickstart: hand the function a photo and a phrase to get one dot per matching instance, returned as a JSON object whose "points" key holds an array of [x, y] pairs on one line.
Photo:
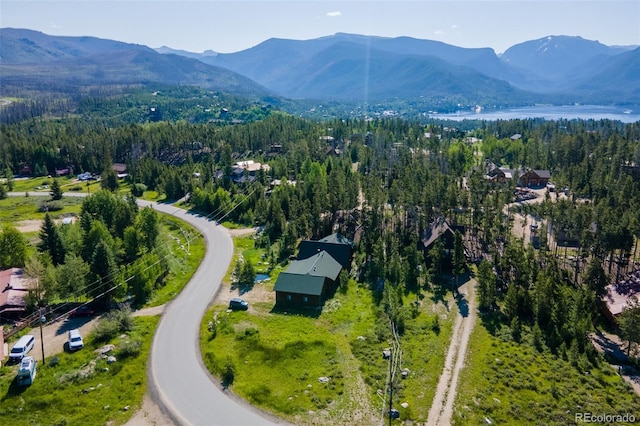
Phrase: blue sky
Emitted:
{"points": [[231, 26]]}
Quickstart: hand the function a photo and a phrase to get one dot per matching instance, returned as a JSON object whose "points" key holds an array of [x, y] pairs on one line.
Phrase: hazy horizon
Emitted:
{"points": [[231, 26]]}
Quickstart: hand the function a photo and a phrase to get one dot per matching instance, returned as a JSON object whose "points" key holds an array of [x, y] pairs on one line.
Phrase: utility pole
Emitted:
{"points": [[390, 386], [43, 319]]}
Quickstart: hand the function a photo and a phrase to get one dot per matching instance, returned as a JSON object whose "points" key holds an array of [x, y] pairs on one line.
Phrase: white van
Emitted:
{"points": [[22, 348], [27, 371]]}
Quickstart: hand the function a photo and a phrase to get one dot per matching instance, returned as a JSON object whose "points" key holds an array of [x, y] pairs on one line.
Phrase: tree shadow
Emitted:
{"points": [[242, 288], [463, 305], [72, 323], [440, 290], [610, 349], [492, 321]]}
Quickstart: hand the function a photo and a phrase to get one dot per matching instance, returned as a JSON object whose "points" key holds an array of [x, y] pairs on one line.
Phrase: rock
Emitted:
{"points": [[488, 421], [404, 404], [105, 349], [496, 400], [323, 379], [361, 338], [126, 408], [111, 359], [106, 407], [106, 369]]}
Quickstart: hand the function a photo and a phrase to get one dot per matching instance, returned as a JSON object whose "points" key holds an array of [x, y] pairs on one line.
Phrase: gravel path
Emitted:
{"points": [[442, 407]]}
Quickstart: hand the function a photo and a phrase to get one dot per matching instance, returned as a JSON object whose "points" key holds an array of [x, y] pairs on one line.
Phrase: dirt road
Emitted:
{"points": [[442, 406]]}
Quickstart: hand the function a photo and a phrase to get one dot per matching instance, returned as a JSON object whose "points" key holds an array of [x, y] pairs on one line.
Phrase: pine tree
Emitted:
{"points": [[56, 190], [630, 323], [50, 240]]}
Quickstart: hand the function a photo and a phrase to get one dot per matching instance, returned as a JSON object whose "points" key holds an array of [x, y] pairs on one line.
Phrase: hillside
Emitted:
{"points": [[34, 59], [343, 68]]}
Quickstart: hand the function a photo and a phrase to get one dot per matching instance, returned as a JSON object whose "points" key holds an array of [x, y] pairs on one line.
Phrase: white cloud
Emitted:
{"points": [[334, 14], [438, 32], [455, 27]]}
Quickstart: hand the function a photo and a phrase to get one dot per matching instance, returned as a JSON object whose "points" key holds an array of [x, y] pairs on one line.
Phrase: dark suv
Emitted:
{"points": [[238, 304]]}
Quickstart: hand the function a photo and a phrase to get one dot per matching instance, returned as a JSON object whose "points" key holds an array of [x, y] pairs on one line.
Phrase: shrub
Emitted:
{"points": [[129, 348], [138, 189], [54, 361], [116, 322], [229, 373], [50, 206], [106, 330]]}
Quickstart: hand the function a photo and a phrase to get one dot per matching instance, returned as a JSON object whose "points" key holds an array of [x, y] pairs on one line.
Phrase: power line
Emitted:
{"points": [[216, 216]]}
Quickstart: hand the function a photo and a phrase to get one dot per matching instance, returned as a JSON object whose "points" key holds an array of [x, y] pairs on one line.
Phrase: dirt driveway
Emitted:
{"points": [[442, 407]]}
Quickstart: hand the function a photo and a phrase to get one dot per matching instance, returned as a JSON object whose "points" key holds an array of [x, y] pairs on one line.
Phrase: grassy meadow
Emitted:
{"points": [[325, 367], [510, 383]]}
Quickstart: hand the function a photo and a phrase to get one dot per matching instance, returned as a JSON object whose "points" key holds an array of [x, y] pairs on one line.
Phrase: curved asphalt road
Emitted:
{"points": [[179, 378], [181, 382]]}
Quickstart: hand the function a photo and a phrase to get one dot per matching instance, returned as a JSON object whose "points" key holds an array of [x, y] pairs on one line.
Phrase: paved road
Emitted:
{"points": [[179, 380], [178, 376]]}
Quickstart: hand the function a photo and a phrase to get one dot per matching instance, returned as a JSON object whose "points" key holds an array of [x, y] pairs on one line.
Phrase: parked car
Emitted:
{"points": [[75, 340], [238, 304], [82, 311], [22, 348]]}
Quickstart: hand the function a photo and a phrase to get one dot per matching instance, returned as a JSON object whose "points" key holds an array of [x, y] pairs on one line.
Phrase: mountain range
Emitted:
{"points": [[342, 67]]}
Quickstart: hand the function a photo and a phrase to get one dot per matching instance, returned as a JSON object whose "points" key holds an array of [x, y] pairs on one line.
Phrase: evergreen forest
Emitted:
{"points": [[380, 182]]}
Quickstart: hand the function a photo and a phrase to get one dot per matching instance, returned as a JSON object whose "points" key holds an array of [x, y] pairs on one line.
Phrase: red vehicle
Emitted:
{"points": [[81, 311]]}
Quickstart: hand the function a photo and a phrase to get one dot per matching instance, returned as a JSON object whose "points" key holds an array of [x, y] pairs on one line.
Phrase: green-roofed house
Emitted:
{"points": [[308, 282]]}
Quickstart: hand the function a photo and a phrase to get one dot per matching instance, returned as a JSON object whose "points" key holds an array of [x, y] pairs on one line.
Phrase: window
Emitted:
{"points": [[305, 299], [288, 298]]}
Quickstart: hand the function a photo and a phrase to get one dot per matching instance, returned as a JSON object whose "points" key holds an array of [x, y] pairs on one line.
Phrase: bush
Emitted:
{"points": [[106, 330], [138, 189], [116, 322], [124, 318], [229, 373], [129, 348], [50, 206]]}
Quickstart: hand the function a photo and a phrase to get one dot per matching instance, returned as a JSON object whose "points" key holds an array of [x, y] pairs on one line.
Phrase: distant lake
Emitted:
{"points": [[569, 112]]}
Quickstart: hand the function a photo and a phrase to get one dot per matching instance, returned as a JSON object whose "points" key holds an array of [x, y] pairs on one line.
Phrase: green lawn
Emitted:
{"points": [[81, 388], [514, 384], [278, 358], [15, 209], [185, 248]]}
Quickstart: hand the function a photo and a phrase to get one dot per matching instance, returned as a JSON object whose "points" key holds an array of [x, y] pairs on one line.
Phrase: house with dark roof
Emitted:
{"points": [[440, 229], [534, 178], [524, 176], [339, 247], [308, 282]]}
